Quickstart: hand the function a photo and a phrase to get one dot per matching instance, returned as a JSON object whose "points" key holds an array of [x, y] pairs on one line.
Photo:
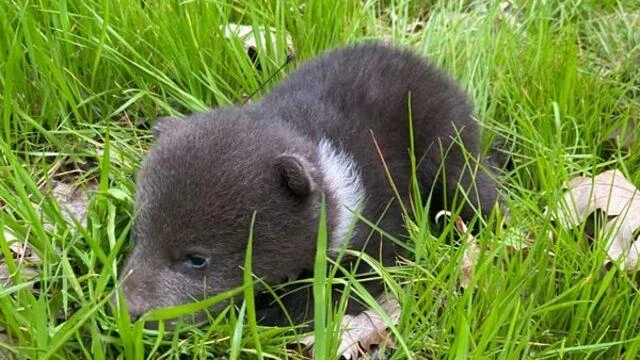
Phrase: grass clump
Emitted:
{"points": [[81, 82]]}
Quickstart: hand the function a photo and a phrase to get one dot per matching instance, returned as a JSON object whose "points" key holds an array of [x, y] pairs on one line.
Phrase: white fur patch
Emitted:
{"points": [[342, 177]]}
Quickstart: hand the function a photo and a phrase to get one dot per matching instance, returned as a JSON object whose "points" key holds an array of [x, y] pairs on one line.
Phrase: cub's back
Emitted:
{"points": [[349, 91]]}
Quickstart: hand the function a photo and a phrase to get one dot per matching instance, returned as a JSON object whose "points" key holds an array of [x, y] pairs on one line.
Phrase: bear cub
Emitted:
{"points": [[330, 131]]}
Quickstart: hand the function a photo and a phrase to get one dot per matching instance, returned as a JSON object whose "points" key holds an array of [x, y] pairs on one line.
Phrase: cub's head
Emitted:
{"points": [[196, 194]]}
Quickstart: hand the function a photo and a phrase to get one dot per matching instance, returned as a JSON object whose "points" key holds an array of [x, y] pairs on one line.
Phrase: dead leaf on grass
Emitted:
{"points": [[611, 193], [415, 27], [22, 255], [73, 200], [4, 353], [623, 138], [516, 240], [246, 35], [363, 333], [510, 13], [367, 330], [471, 252]]}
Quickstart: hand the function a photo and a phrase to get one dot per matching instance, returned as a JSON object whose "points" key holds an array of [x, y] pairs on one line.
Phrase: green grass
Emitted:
{"points": [[81, 80]]}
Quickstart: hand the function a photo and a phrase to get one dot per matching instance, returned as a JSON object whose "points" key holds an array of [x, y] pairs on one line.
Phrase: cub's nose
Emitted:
{"points": [[135, 314], [134, 308]]}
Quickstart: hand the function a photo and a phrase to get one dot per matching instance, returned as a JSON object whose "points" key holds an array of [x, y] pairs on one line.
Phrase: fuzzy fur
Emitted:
{"points": [[342, 179], [311, 137]]}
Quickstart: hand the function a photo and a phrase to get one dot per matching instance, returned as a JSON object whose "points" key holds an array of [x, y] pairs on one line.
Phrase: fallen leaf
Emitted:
{"points": [[5, 275], [4, 353], [363, 333], [72, 200], [623, 137], [246, 35], [611, 193], [415, 27], [510, 13], [471, 252], [23, 255], [22, 251]]}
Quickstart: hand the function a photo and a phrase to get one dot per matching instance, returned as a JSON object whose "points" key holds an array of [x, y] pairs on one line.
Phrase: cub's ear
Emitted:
{"points": [[165, 124], [296, 174]]}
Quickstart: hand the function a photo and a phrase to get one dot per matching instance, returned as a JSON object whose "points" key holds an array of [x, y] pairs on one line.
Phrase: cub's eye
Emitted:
{"points": [[197, 261]]}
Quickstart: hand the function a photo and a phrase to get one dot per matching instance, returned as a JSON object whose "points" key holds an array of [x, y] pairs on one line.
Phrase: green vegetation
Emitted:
{"points": [[82, 80]]}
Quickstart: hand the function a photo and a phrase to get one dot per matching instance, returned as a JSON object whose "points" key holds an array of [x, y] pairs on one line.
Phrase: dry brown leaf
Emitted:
{"points": [[509, 13], [4, 353], [22, 251], [22, 254], [363, 332], [5, 275], [73, 201], [623, 137], [471, 252], [416, 26], [611, 193], [367, 329]]}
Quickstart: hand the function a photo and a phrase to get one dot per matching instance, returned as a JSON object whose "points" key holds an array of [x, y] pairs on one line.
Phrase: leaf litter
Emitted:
{"points": [[252, 45], [73, 202], [366, 332], [611, 193]]}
